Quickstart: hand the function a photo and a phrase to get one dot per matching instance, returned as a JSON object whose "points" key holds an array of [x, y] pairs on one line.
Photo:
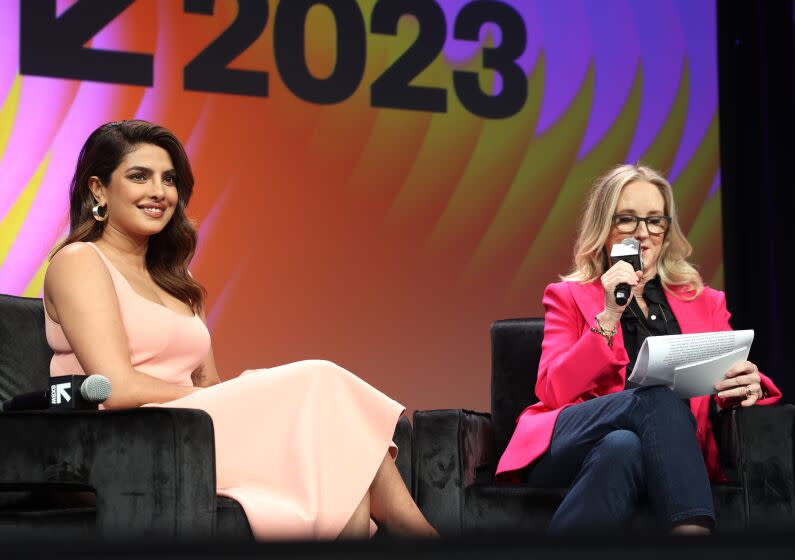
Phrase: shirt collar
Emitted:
{"points": [[653, 290]]}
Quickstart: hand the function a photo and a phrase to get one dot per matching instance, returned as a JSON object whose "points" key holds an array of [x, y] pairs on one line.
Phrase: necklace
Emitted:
{"points": [[642, 323]]}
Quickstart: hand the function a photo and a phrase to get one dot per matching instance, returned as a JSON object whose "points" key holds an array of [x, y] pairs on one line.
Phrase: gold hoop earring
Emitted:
{"points": [[98, 216]]}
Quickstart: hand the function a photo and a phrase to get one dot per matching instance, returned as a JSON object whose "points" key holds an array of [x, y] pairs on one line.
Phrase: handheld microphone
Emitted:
{"points": [[628, 250], [66, 392]]}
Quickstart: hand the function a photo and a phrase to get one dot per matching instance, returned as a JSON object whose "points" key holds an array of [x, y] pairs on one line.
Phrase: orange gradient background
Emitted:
{"points": [[384, 240]]}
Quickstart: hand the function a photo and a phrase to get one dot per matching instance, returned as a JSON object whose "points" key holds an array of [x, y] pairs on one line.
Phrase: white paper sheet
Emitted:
{"points": [[690, 364]]}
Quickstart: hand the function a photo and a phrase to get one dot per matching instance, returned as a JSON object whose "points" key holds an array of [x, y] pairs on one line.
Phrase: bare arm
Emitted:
{"points": [[206, 374], [80, 295]]}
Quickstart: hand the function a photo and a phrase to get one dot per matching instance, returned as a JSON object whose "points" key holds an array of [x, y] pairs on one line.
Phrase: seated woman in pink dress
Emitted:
{"points": [[305, 448], [592, 431]]}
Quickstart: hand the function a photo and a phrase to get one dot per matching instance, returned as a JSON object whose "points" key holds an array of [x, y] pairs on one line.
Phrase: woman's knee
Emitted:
{"points": [[665, 409], [319, 365], [663, 400], [621, 446], [620, 452], [324, 370]]}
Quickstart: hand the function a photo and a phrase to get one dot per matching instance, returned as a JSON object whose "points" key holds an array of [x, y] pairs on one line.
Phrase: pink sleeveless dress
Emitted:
{"points": [[296, 445]]}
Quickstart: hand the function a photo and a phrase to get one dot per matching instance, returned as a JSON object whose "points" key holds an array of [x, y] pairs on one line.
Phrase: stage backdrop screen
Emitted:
{"points": [[376, 181]]}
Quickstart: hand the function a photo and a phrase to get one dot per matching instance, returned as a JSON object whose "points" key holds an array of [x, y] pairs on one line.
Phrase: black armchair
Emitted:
{"points": [[456, 452], [150, 471]]}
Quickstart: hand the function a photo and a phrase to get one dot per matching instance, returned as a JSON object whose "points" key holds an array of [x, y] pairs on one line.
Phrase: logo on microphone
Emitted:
{"points": [[59, 393]]}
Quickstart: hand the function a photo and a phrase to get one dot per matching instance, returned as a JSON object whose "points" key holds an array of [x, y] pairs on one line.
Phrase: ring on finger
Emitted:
{"points": [[749, 391]]}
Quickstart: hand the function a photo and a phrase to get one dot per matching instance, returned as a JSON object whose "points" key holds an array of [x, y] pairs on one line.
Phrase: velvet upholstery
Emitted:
{"points": [[515, 353], [24, 353], [149, 467], [151, 470], [757, 450], [456, 452]]}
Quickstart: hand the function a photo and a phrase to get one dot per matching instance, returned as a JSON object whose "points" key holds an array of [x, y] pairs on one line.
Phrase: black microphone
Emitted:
{"points": [[628, 250], [66, 392]]}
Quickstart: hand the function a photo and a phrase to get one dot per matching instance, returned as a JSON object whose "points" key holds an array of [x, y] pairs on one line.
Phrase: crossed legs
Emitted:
{"points": [[608, 449], [388, 500]]}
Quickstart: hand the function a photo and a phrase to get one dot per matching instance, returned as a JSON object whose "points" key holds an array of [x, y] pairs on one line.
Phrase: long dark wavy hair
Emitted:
{"points": [[170, 251]]}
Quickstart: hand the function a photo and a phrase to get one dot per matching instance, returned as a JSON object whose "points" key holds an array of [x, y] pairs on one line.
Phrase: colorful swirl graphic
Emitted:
{"points": [[384, 239]]}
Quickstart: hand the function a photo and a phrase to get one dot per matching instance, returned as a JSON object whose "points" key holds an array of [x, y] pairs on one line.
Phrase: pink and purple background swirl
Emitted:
{"points": [[384, 240]]}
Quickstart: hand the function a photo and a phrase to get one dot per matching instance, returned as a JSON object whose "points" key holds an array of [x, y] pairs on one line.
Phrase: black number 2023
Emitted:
{"points": [[64, 55]]}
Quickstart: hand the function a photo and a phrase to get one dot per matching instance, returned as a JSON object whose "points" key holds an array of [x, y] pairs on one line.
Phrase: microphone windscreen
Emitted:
{"points": [[96, 388], [628, 246], [628, 250]]}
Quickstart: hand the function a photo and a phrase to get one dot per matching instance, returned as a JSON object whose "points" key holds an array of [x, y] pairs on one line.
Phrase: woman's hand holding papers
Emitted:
{"points": [[741, 385]]}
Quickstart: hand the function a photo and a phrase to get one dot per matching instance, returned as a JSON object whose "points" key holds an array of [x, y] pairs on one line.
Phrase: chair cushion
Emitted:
{"points": [[34, 516], [24, 352], [510, 508]]}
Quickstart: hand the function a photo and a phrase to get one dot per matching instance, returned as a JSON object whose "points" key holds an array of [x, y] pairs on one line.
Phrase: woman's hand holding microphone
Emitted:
{"points": [[606, 321], [620, 273]]}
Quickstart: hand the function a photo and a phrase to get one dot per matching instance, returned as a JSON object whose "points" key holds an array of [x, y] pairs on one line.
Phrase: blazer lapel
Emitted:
{"points": [[690, 314]]}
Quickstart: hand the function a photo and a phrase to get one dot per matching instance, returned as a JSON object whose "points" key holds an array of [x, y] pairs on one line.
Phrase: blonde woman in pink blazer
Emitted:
{"points": [[591, 431]]}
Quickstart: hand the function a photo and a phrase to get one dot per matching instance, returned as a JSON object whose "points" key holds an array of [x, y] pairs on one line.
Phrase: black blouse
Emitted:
{"points": [[636, 327]]}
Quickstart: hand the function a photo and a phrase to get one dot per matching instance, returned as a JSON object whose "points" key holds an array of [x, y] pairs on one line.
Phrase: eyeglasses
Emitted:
{"points": [[628, 223]]}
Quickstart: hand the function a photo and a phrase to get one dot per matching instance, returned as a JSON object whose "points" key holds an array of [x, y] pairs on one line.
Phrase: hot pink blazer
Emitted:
{"points": [[576, 365]]}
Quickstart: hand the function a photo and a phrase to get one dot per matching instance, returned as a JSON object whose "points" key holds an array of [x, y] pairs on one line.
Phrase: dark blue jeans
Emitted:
{"points": [[613, 449]]}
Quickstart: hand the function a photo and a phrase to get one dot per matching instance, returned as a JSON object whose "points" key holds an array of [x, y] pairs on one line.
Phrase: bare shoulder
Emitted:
{"points": [[75, 260], [76, 271]]}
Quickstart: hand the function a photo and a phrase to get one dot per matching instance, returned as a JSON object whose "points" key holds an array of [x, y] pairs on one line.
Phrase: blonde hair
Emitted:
{"points": [[590, 257]]}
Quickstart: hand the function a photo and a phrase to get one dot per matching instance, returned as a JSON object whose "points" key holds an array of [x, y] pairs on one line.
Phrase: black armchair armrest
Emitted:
{"points": [[756, 450], [451, 449], [153, 469], [455, 460], [404, 439]]}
